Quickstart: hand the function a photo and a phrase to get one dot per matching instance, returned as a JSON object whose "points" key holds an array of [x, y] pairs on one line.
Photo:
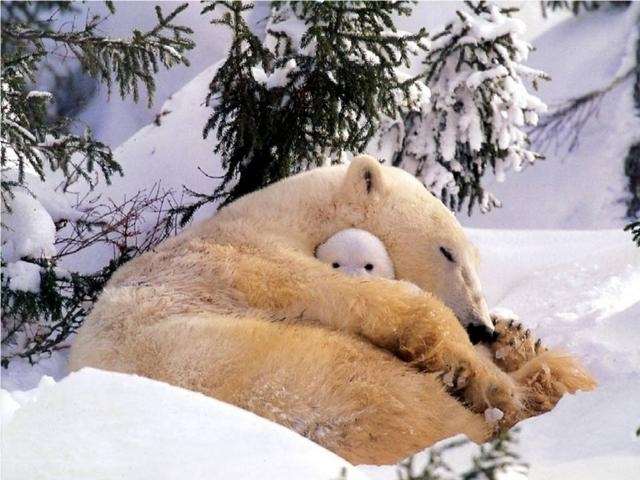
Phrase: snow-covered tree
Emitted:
{"points": [[634, 228], [632, 161], [41, 302], [315, 88], [480, 106]]}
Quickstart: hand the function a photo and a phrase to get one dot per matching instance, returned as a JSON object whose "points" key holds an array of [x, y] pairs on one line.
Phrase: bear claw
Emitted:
{"points": [[515, 344]]}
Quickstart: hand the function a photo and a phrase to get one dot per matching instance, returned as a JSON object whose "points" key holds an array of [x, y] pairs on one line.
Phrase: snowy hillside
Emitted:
{"points": [[110, 425], [114, 120], [554, 189]]}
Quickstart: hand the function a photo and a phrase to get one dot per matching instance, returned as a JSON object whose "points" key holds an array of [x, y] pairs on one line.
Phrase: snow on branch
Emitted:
{"points": [[318, 86], [480, 106], [44, 303]]}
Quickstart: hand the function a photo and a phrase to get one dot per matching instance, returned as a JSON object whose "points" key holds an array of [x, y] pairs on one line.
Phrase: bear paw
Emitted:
{"points": [[547, 377], [513, 344], [483, 391]]}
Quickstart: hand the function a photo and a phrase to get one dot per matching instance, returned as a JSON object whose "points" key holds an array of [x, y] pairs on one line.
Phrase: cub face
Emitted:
{"points": [[426, 244], [356, 252]]}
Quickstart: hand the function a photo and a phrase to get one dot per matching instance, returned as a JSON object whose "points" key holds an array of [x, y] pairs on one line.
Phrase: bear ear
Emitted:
{"points": [[364, 178]]}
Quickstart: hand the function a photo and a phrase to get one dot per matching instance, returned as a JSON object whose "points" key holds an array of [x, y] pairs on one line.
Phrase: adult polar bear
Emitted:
{"points": [[238, 308]]}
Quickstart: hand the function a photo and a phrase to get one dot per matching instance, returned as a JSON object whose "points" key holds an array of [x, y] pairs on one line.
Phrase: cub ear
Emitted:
{"points": [[364, 178]]}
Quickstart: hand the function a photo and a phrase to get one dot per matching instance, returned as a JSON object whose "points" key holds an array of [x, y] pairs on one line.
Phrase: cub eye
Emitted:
{"points": [[368, 267], [335, 265], [447, 254]]}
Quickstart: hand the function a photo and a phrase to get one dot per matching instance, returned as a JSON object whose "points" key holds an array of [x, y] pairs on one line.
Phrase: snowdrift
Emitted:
{"points": [[98, 425]]}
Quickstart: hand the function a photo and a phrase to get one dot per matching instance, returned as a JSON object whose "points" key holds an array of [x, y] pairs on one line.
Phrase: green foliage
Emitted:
{"points": [[632, 171], [28, 139], [436, 467], [494, 458], [35, 322], [491, 461], [30, 142], [632, 161], [576, 6], [287, 104], [634, 228], [127, 62]]}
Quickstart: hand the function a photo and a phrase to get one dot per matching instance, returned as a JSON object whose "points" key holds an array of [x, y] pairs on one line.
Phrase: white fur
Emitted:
{"points": [[358, 253]]}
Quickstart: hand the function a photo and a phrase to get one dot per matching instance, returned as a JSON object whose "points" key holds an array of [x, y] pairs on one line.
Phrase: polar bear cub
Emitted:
{"points": [[359, 253]]}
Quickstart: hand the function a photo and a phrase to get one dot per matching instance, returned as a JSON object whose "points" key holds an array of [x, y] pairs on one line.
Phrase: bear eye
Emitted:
{"points": [[335, 265], [447, 254], [368, 267]]}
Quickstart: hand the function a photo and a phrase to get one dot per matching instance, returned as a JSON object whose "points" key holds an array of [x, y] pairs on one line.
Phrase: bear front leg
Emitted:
{"points": [[416, 328]]}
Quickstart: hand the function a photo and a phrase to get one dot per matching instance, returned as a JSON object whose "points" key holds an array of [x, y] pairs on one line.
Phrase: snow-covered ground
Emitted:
{"points": [[103, 425], [579, 290]]}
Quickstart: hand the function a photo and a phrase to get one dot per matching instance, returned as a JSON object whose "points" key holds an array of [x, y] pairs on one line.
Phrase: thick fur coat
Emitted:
{"points": [[238, 308]]}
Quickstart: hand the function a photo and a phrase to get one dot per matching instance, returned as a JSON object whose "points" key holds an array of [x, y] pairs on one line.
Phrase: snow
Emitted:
{"points": [[577, 290], [478, 106], [28, 229], [28, 226], [280, 76], [23, 276], [497, 25], [39, 94], [105, 426], [8, 406], [162, 158], [493, 415], [580, 291]]}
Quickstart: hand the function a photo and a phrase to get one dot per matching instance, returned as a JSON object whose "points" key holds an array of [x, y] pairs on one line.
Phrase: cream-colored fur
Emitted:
{"points": [[238, 308]]}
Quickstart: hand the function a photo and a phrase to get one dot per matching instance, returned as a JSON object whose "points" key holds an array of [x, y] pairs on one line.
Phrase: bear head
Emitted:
{"points": [[425, 242]]}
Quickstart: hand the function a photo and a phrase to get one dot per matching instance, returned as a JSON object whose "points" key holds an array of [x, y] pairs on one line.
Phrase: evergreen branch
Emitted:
{"points": [[35, 323], [634, 229], [479, 105], [123, 61], [336, 81], [564, 125]]}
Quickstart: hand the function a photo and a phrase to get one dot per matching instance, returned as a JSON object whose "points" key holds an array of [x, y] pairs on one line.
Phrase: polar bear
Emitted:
{"points": [[238, 308]]}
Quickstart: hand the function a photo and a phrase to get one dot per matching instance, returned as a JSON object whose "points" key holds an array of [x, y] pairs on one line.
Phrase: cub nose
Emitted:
{"points": [[481, 333]]}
